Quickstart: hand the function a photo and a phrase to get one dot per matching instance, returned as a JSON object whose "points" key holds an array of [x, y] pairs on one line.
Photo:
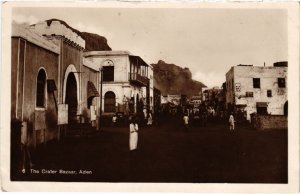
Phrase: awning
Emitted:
{"points": [[261, 104], [137, 60], [91, 90]]}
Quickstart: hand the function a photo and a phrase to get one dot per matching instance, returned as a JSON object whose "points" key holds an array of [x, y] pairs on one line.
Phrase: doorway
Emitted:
{"points": [[285, 109], [109, 102], [71, 98]]}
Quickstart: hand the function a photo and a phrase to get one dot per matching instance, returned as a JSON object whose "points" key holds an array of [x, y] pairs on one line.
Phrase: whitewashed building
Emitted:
{"points": [[257, 89], [150, 88], [126, 85]]}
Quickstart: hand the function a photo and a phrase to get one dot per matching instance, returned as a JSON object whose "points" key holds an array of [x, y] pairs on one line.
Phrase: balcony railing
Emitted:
{"points": [[138, 79]]}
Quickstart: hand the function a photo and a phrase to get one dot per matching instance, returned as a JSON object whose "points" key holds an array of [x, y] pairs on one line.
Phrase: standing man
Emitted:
{"points": [[186, 122], [231, 122], [114, 120], [149, 119], [145, 114], [133, 136]]}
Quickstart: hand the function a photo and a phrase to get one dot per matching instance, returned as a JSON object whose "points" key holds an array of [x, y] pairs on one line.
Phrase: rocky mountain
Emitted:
{"points": [[172, 79], [93, 42], [168, 78]]}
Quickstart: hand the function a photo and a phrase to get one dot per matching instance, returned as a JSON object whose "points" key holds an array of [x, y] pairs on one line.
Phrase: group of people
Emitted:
{"points": [[133, 127], [231, 122], [147, 119]]}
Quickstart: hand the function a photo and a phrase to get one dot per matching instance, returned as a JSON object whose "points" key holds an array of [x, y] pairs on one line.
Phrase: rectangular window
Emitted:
{"points": [[269, 93], [281, 82], [249, 94], [256, 82], [262, 110], [108, 73]]}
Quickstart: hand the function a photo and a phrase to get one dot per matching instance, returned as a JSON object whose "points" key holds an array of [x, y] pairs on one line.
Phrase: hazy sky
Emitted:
{"points": [[208, 41]]}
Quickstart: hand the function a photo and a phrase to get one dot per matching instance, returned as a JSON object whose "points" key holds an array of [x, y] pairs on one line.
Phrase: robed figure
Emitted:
{"points": [[133, 136]]}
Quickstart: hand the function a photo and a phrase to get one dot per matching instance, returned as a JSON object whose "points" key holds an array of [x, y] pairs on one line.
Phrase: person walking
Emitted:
{"points": [[186, 122], [145, 115], [133, 136], [114, 120], [149, 119], [231, 122]]}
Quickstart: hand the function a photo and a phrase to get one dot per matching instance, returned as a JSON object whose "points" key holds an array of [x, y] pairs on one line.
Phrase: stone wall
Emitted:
{"points": [[265, 122]]}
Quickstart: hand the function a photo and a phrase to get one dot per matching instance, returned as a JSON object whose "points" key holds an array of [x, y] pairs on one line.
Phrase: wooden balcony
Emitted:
{"points": [[138, 79]]}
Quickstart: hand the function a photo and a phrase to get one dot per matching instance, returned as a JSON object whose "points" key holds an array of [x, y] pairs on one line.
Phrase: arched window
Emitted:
{"points": [[109, 102], [40, 89]]}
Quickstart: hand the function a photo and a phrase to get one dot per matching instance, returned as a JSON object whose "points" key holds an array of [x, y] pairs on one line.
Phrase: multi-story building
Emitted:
{"points": [[211, 96], [148, 92], [257, 89], [125, 86], [76, 86]]}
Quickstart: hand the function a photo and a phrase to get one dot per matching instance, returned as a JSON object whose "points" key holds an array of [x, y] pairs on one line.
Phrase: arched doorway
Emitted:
{"points": [[109, 102], [71, 98], [285, 108]]}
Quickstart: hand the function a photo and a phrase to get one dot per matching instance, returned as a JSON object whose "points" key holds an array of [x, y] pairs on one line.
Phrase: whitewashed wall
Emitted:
{"points": [[243, 77]]}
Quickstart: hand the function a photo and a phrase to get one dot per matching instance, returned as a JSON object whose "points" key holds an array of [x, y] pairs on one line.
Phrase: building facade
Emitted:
{"points": [[32, 61], [148, 92], [257, 89], [125, 81], [50, 85], [156, 101]]}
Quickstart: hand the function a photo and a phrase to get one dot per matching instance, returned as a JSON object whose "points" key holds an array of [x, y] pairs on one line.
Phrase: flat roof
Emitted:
{"points": [[22, 31], [105, 53]]}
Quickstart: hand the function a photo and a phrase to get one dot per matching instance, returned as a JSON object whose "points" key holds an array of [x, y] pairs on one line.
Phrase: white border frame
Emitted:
{"points": [[293, 98]]}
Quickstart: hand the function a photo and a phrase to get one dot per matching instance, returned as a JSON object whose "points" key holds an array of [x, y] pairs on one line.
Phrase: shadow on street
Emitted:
{"points": [[166, 153]]}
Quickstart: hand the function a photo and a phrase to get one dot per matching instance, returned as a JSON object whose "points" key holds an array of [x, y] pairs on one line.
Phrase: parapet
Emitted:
{"points": [[58, 28]]}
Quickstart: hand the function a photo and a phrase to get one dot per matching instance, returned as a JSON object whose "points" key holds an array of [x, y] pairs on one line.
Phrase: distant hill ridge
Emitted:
{"points": [[168, 78], [173, 79]]}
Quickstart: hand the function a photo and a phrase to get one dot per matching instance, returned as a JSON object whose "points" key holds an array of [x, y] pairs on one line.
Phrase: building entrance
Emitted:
{"points": [[71, 98]]}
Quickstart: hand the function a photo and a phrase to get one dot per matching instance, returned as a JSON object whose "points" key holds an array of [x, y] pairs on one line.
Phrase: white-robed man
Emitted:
{"points": [[133, 136], [149, 119], [231, 122]]}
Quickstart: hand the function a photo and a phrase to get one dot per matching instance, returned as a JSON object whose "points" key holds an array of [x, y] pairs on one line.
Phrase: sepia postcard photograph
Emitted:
{"points": [[150, 97]]}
